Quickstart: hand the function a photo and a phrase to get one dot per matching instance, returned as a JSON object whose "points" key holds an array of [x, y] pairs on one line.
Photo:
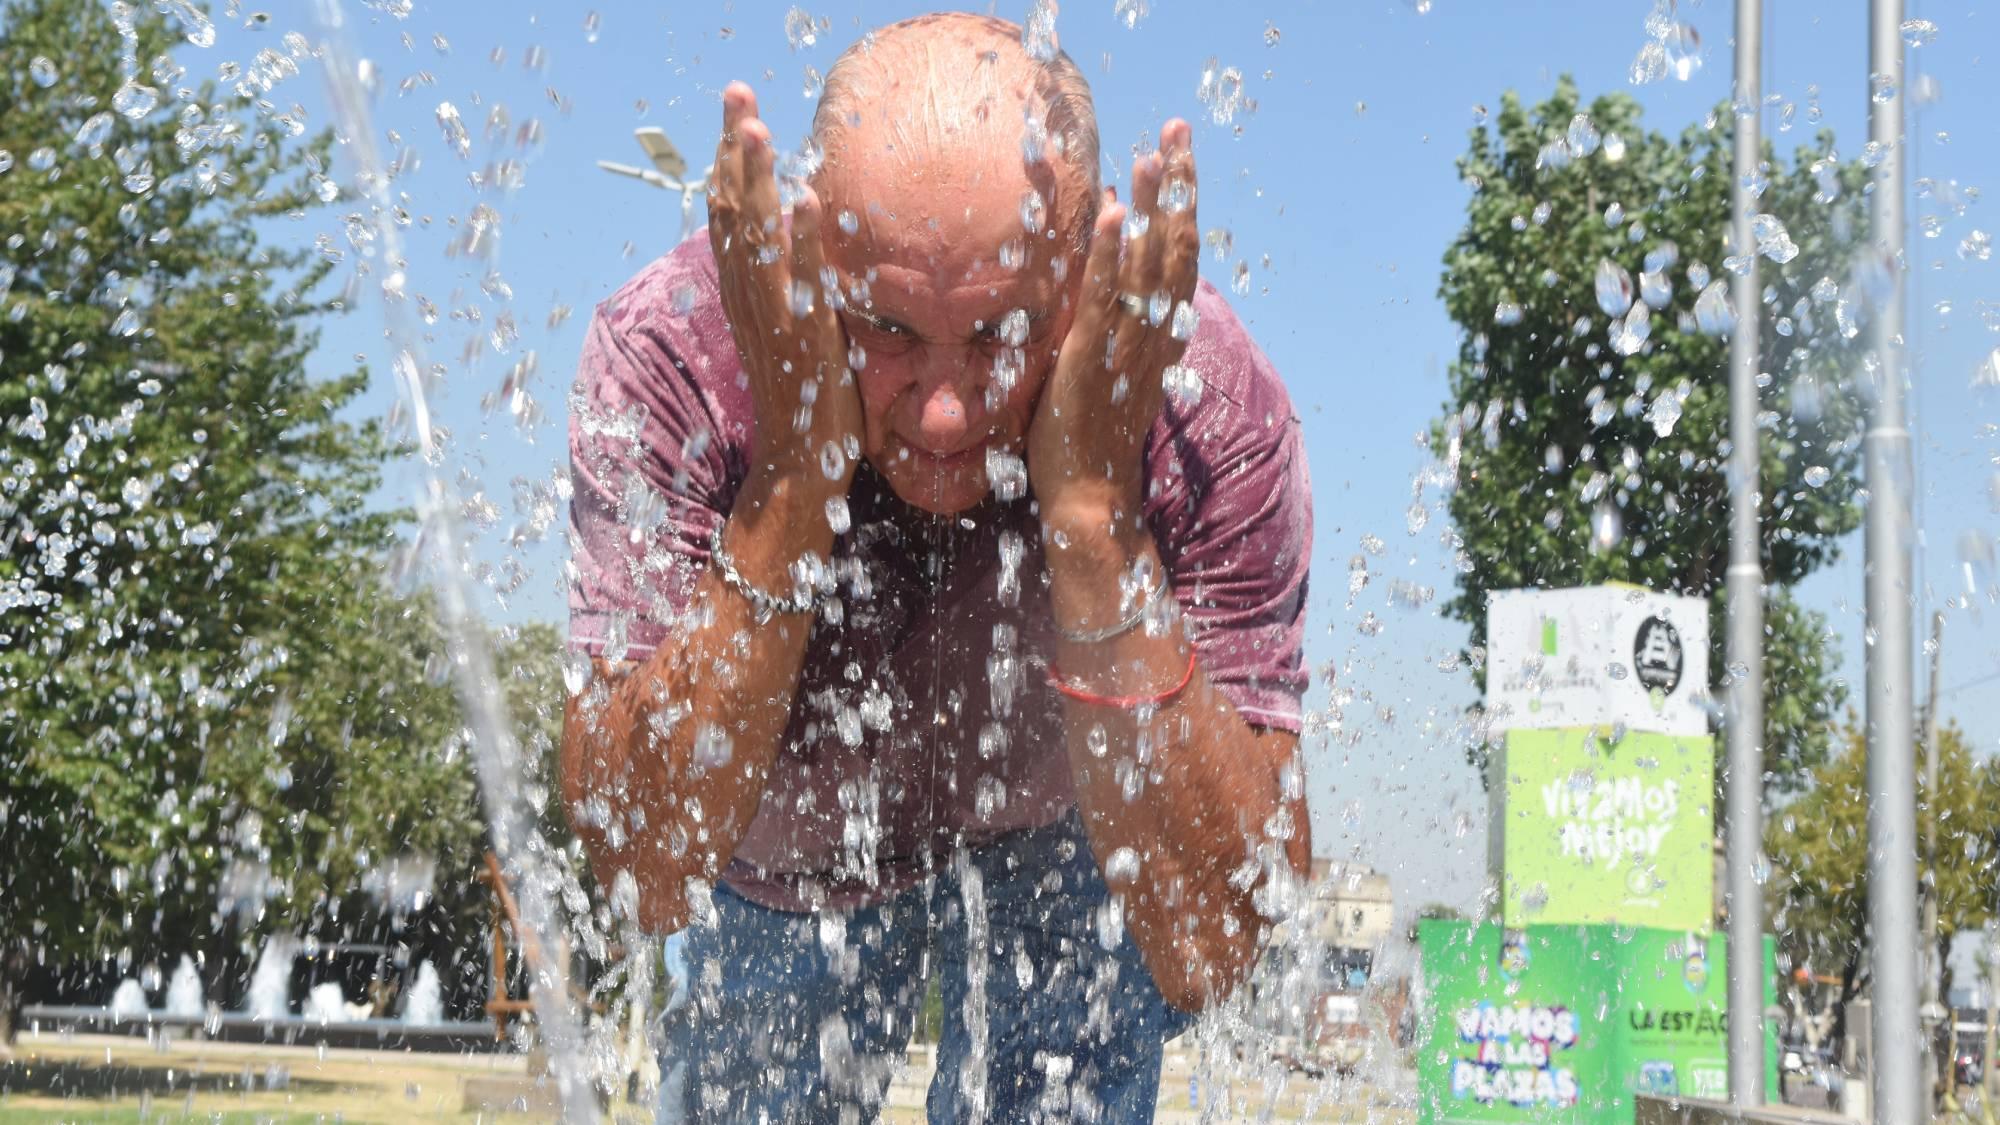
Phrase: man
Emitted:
{"points": [[942, 550]]}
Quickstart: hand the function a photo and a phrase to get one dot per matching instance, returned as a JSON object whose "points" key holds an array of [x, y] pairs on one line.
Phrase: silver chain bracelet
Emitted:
{"points": [[766, 606], [1124, 625]]}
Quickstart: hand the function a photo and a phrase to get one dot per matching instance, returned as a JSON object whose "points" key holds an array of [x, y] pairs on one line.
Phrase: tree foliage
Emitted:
{"points": [[213, 703], [1818, 848], [1583, 448]]}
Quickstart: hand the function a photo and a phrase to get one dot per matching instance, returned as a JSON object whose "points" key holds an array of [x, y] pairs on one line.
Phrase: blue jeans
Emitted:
{"points": [[799, 1017]]}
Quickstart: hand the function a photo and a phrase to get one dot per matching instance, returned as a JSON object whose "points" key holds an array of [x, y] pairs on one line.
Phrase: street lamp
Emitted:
{"points": [[667, 172]]}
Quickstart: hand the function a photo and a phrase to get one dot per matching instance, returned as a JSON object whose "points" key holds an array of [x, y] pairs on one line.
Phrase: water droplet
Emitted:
{"points": [[575, 670], [1096, 740], [135, 101], [1614, 215], [1655, 289], [799, 29], [1664, 413], [1650, 65], [1239, 279], [1607, 526], [591, 23], [1683, 51], [1176, 196], [1014, 328], [1185, 321], [42, 159], [1034, 212], [42, 71], [94, 129], [1818, 475], [1773, 240], [713, 747], [1417, 516], [1582, 135], [1221, 90], [1615, 670], [1629, 333], [1881, 88], [454, 129], [199, 30], [1614, 147], [1919, 33], [1847, 316], [1712, 311], [1038, 32], [1976, 246], [832, 461], [802, 298], [1614, 287], [1507, 313], [1122, 867], [1130, 12], [1183, 385], [1271, 34]]}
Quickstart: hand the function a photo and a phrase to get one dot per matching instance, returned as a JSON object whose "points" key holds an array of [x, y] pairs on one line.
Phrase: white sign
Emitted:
{"points": [[1597, 656]]}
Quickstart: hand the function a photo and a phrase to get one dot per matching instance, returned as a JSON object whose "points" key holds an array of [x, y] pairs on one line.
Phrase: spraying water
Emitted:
{"points": [[325, 1004], [270, 983], [426, 1002], [129, 1001], [184, 990], [524, 856]]}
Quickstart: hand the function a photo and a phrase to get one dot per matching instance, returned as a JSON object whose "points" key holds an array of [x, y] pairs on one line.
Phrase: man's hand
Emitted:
{"points": [[1089, 434], [786, 331]]}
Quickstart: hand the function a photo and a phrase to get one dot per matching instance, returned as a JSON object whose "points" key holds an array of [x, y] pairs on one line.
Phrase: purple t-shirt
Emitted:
{"points": [[919, 717]]}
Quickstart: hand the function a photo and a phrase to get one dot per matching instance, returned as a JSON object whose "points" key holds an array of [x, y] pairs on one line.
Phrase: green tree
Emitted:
{"points": [[203, 673], [1583, 447], [1818, 848]]}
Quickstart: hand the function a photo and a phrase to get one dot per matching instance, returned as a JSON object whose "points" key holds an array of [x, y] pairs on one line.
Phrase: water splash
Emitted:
{"points": [[498, 759]]}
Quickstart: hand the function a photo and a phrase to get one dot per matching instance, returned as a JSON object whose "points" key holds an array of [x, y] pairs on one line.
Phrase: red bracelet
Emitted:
{"points": [[1127, 702]]}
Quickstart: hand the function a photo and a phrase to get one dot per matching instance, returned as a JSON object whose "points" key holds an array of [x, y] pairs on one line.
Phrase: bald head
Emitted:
{"points": [[954, 103]]}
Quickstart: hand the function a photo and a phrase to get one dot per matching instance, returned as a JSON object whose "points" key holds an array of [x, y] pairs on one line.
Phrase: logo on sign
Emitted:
{"points": [[1656, 655]]}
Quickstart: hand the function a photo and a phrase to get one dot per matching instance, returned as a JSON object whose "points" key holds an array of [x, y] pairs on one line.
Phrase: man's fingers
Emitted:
{"points": [[759, 213], [1143, 257], [808, 256], [1099, 293], [1182, 238]]}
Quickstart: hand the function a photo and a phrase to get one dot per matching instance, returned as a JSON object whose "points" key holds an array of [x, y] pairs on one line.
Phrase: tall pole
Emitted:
{"points": [[1934, 1013], [1745, 578], [1892, 774]]}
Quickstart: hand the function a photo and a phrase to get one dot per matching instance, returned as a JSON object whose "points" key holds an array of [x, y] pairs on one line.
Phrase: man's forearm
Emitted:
{"points": [[664, 766], [1195, 793]]}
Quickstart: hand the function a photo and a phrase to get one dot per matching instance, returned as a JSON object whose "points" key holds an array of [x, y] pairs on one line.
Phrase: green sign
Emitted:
{"points": [[1564, 1023], [1591, 830]]}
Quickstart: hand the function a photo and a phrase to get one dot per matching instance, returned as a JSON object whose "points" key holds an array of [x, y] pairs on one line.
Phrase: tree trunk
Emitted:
{"points": [[13, 975]]}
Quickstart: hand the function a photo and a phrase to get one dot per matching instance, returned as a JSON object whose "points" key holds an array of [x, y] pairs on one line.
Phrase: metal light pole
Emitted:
{"points": [[1745, 717], [668, 171], [1933, 1013], [1898, 1093]]}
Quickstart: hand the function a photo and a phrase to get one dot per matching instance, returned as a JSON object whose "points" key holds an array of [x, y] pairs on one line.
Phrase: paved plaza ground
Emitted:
{"points": [[92, 1078]]}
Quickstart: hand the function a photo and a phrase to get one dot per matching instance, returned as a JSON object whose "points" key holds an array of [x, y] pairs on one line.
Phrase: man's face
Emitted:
{"points": [[966, 308]]}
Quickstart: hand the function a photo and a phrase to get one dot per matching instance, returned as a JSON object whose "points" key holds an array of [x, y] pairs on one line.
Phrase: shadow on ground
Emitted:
{"points": [[72, 1079]]}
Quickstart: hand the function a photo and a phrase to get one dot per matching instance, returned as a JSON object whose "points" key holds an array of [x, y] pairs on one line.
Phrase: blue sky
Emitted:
{"points": [[1339, 193]]}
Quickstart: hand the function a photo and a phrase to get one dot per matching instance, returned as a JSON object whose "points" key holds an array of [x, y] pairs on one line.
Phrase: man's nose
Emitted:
{"points": [[949, 406], [948, 413]]}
